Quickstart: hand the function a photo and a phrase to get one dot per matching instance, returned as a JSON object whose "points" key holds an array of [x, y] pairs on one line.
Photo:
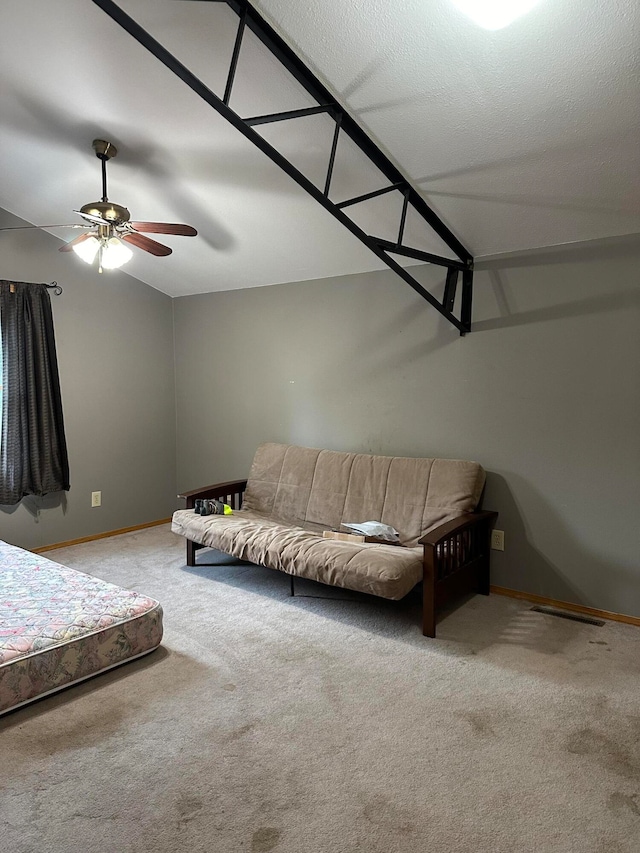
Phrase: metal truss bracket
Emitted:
{"points": [[344, 123]]}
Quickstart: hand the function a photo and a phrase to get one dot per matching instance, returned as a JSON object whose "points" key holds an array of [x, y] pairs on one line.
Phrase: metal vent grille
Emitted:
{"points": [[575, 617]]}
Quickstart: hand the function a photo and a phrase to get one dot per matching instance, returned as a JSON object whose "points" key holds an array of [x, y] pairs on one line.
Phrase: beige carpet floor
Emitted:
{"points": [[328, 725]]}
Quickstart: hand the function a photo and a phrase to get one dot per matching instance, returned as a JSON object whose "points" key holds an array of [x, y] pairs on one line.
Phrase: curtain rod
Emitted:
{"points": [[57, 290]]}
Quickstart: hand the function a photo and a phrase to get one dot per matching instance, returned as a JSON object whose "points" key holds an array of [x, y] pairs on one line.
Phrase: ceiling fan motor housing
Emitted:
{"points": [[108, 210]]}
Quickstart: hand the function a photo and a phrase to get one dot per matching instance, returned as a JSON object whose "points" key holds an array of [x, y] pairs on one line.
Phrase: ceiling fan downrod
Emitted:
{"points": [[104, 151], [104, 210]]}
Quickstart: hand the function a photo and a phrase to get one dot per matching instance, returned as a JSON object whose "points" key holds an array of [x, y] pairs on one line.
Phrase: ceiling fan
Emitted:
{"points": [[110, 227]]}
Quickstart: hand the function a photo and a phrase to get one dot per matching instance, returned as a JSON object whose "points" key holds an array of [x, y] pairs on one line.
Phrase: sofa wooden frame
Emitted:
{"points": [[455, 560]]}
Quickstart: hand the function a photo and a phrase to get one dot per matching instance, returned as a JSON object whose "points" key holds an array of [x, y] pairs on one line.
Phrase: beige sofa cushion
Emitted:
{"points": [[321, 489], [384, 570]]}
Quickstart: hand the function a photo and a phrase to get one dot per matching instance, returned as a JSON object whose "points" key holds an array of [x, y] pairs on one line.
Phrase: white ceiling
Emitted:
{"points": [[519, 138]]}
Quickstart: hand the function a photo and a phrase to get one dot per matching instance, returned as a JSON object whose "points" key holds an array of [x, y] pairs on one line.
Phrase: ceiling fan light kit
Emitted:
{"points": [[112, 226], [87, 248], [114, 254], [110, 252]]}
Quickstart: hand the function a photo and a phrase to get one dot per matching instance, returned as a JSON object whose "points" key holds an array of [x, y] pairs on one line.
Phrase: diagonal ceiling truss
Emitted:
{"points": [[456, 310]]}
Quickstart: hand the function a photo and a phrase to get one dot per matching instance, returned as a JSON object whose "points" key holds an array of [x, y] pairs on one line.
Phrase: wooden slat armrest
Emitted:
{"points": [[456, 562], [456, 525], [216, 490]]}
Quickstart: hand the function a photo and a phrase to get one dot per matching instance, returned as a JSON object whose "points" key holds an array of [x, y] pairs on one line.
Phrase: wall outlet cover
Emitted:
{"points": [[497, 540]]}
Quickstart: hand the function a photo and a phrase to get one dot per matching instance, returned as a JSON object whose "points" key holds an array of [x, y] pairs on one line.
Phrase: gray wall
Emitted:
{"points": [[114, 340], [544, 393]]}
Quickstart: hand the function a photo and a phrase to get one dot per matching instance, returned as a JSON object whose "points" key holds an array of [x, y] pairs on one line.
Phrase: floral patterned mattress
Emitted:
{"points": [[59, 626]]}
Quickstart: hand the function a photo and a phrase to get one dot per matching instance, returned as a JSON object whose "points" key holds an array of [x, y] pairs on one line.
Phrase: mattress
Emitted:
{"points": [[59, 626]]}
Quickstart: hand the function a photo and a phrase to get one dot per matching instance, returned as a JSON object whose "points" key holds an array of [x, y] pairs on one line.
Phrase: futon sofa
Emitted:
{"points": [[293, 494]]}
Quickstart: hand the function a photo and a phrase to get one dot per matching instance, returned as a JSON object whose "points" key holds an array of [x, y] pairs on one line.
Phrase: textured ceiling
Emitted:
{"points": [[519, 138]]}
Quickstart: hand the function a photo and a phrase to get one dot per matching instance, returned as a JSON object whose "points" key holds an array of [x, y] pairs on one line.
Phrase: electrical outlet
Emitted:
{"points": [[497, 540], [96, 498]]}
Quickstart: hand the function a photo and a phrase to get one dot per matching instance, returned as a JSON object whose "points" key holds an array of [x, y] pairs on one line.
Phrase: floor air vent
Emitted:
{"points": [[575, 617]]}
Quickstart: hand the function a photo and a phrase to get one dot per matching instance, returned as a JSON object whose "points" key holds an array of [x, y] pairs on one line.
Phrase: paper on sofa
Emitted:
{"points": [[374, 529]]}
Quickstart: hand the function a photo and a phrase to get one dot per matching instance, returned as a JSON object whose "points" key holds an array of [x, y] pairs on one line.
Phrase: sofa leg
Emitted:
{"points": [[484, 583], [191, 553], [429, 593], [428, 614], [485, 563]]}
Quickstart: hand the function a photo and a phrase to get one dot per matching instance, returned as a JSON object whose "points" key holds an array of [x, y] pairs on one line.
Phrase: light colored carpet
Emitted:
{"points": [[319, 725]]}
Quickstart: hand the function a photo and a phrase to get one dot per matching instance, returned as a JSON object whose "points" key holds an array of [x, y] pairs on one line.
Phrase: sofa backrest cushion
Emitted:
{"points": [[325, 488]]}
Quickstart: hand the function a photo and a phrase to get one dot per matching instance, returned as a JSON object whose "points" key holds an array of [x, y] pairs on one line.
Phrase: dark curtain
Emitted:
{"points": [[33, 450]]}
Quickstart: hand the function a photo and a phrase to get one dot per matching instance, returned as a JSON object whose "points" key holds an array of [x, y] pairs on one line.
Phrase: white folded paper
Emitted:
{"points": [[375, 528]]}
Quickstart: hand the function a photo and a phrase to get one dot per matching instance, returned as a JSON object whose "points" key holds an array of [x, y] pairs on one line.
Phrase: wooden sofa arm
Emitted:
{"points": [[456, 525], [456, 562], [230, 493]]}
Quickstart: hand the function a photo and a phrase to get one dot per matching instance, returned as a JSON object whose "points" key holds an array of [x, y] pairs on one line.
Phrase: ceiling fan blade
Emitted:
{"points": [[146, 243], [25, 227], [97, 220], [68, 247], [164, 228]]}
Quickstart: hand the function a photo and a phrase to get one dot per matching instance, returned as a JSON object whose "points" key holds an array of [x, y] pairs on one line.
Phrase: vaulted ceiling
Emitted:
{"points": [[519, 138]]}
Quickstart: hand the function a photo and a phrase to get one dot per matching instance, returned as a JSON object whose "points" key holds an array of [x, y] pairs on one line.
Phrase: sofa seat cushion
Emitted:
{"points": [[384, 570]]}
